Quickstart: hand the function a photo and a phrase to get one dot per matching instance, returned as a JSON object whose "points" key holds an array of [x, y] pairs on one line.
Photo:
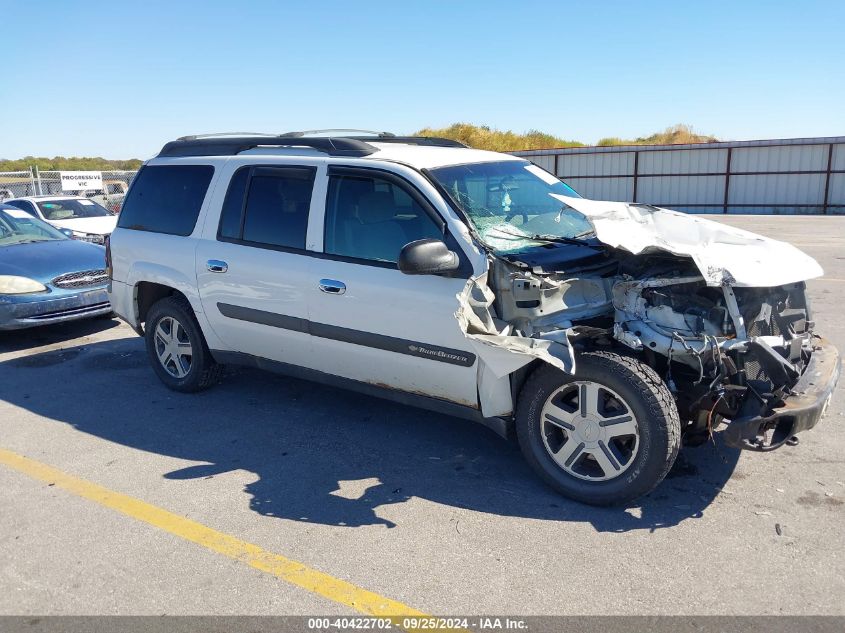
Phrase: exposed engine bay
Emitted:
{"points": [[726, 353]]}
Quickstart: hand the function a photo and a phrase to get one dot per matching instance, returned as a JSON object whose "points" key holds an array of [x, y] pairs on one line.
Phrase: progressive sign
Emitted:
{"points": [[81, 180]]}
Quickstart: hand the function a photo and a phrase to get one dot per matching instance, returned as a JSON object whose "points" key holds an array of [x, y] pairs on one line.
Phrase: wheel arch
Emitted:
{"points": [[150, 282], [149, 279], [148, 293]]}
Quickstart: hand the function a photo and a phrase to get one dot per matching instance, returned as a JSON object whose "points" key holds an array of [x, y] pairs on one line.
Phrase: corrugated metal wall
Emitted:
{"points": [[779, 176]]}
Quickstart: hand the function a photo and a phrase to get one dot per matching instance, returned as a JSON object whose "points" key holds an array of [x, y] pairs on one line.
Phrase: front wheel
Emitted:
{"points": [[604, 436]]}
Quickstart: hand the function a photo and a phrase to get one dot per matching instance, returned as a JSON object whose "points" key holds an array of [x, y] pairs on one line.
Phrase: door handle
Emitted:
{"points": [[216, 266], [332, 286]]}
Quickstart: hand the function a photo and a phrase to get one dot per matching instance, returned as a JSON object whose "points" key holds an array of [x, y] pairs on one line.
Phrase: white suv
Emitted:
{"points": [[475, 284]]}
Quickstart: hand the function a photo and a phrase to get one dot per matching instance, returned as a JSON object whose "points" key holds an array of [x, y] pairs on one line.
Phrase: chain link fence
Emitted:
{"points": [[17, 184]]}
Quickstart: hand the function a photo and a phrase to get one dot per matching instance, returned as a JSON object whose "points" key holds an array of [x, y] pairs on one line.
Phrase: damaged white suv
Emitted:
{"points": [[473, 283]]}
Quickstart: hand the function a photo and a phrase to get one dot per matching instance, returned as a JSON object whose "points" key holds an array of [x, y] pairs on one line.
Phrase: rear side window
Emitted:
{"points": [[166, 198], [268, 206]]}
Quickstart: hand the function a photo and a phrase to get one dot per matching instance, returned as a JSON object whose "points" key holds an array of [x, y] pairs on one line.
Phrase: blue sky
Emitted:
{"points": [[119, 79]]}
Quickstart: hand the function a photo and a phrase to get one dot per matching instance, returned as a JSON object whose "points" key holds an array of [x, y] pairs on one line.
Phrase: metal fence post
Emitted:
{"points": [[727, 181], [38, 180], [827, 178], [31, 181], [636, 173]]}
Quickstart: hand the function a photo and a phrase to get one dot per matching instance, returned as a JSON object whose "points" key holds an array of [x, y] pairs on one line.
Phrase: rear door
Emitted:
{"points": [[252, 270], [369, 321]]}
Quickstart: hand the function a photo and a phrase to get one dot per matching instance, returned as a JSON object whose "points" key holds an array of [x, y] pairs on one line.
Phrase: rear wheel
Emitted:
{"points": [[176, 347], [604, 436]]}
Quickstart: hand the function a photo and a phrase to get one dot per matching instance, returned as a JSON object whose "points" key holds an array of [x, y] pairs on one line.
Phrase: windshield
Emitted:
{"points": [[513, 204], [71, 209], [18, 227]]}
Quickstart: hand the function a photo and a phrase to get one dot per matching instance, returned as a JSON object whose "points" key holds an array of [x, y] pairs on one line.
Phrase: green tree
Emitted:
{"points": [[485, 137], [679, 134]]}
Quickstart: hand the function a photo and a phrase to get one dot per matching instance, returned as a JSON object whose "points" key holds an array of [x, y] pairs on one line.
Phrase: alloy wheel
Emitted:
{"points": [[589, 431], [173, 347]]}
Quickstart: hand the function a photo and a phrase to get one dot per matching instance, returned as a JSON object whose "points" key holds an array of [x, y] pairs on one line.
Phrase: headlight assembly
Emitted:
{"points": [[12, 285]]}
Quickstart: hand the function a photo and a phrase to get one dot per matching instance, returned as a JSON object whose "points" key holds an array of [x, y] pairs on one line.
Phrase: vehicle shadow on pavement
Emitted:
{"points": [[324, 455], [20, 340]]}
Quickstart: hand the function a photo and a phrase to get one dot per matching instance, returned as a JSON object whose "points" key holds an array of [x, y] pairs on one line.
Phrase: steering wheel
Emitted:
{"points": [[512, 215]]}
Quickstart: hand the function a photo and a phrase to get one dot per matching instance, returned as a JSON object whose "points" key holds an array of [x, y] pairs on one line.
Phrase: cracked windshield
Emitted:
{"points": [[512, 204]]}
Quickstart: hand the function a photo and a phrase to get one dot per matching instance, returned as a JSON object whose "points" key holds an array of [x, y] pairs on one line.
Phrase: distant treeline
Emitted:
{"points": [[71, 163], [485, 137], [676, 135], [477, 136]]}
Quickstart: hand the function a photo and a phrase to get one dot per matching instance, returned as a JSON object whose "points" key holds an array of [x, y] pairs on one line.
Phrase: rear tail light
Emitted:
{"points": [[107, 244]]}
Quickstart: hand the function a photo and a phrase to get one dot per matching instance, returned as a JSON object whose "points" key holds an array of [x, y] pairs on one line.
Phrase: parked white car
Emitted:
{"points": [[476, 284], [85, 219]]}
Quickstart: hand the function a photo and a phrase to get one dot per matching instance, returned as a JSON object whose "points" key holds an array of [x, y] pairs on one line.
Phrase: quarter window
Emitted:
{"points": [[166, 199], [372, 218]]}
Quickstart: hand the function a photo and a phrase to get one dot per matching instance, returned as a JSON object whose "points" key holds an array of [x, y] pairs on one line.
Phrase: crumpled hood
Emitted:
{"points": [[723, 254], [101, 225]]}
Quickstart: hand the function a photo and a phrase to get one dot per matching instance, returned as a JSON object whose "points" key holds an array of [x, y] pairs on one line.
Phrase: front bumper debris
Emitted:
{"points": [[801, 411]]}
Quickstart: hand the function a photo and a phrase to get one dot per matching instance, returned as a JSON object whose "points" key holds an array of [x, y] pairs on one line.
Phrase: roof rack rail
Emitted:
{"points": [[233, 143], [358, 133], [380, 137], [225, 145], [192, 137], [433, 141]]}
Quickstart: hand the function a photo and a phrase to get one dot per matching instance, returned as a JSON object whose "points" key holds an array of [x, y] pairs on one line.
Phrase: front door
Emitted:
{"points": [[369, 321]]}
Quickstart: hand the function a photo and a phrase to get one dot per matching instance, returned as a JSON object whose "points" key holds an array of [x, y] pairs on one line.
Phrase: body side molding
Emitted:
{"points": [[347, 335]]}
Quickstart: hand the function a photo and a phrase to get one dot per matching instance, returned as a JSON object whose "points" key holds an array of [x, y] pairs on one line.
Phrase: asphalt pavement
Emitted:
{"points": [[435, 513]]}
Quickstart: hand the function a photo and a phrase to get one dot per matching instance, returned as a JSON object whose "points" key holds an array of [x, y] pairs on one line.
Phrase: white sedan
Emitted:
{"points": [[85, 219]]}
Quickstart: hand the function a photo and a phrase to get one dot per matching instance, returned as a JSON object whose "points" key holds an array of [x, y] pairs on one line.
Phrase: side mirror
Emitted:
{"points": [[427, 257], [66, 233]]}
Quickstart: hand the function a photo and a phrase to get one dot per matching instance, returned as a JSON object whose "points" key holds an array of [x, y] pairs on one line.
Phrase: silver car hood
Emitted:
{"points": [[723, 254]]}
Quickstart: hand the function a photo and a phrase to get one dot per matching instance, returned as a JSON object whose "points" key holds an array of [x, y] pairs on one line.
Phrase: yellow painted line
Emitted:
{"points": [[277, 565]]}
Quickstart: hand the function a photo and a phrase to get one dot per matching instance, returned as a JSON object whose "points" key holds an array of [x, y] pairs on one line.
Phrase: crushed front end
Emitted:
{"points": [[745, 357], [720, 314]]}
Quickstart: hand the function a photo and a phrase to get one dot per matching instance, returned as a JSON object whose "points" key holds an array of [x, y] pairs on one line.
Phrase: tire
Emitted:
{"points": [[186, 372], [604, 436]]}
